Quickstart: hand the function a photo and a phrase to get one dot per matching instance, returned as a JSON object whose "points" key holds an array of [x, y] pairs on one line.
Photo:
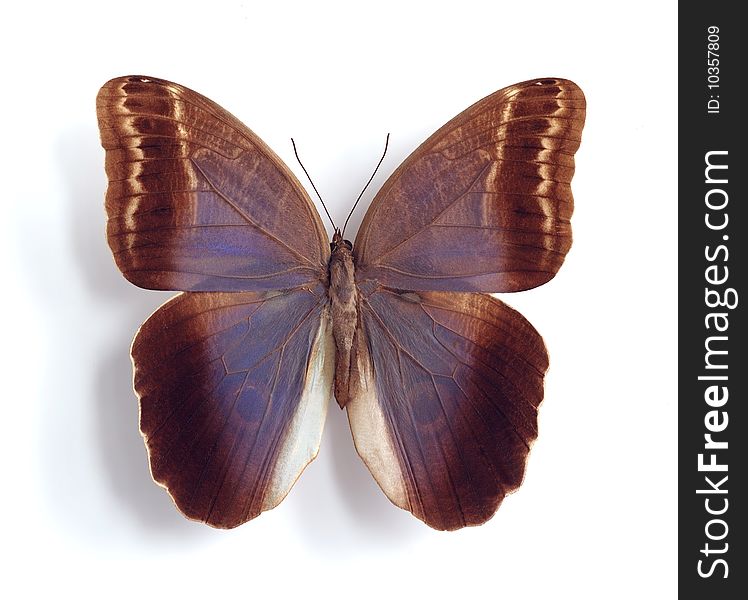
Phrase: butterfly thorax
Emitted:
{"points": [[343, 299]]}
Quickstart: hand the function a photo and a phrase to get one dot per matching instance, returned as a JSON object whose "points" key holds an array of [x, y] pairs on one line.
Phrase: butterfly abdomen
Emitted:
{"points": [[343, 298]]}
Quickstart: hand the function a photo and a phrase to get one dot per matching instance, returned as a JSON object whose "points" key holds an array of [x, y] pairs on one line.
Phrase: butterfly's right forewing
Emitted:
{"points": [[485, 203]]}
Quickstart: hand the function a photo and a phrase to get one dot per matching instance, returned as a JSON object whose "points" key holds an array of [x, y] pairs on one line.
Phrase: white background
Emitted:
{"points": [[596, 515]]}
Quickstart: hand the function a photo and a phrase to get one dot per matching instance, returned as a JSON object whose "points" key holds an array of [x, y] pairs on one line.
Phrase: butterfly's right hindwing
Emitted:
{"points": [[446, 409]]}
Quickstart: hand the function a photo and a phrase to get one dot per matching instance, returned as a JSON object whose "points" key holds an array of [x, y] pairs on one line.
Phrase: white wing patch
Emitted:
{"points": [[372, 437], [302, 439]]}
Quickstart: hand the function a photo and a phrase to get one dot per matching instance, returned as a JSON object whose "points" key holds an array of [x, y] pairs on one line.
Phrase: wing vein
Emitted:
{"points": [[246, 217], [439, 214]]}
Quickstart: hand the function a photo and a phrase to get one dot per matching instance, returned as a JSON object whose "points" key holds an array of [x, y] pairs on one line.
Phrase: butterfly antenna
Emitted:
{"points": [[327, 212], [386, 144]]}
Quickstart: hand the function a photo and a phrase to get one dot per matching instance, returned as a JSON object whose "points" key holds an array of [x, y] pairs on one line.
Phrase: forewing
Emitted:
{"points": [[484, 204], [450, 385], [196, 201], [233, 391]]}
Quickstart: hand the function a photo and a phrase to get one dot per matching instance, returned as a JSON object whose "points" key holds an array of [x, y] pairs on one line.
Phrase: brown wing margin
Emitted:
{"points": [[233, 391], [196, 201], [448, 404], [485, 203]]}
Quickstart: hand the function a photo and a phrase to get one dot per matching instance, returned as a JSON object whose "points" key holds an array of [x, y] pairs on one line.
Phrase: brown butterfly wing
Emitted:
{"points": [[445, 407], [450, 384], [196, 201], [233, 391], [484, 204], [233, 378]]}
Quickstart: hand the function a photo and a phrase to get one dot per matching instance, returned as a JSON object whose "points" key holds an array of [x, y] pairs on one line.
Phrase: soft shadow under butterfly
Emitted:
{"points": [[441, 381]]}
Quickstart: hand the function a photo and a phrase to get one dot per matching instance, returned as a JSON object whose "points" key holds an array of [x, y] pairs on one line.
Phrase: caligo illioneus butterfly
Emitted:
{"points": [[441, 381]]}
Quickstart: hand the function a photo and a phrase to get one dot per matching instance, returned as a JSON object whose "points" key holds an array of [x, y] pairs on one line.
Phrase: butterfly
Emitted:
{"points": [[441, 381]]}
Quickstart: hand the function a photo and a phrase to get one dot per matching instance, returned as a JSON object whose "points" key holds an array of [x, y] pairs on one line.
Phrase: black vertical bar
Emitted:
{"points": [[713, 363]]}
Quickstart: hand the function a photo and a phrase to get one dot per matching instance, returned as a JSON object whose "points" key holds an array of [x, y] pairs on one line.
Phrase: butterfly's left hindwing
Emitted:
{"points": [[446, 408], [233, 389]]}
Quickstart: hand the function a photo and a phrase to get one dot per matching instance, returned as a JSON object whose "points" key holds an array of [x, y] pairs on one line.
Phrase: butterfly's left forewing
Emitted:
{"points": [[196, 201]]}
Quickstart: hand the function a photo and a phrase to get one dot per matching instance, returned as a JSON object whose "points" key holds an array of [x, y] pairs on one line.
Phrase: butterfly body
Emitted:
{"points": [[441, 382], [345, 321]]}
